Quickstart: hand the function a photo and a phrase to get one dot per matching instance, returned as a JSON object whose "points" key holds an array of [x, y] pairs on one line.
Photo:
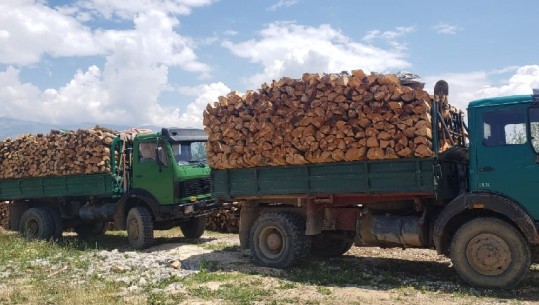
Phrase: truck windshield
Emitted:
{"points": [[189, 152]]}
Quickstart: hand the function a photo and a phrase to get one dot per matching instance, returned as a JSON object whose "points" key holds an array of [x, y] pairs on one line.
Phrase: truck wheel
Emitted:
{"points": [[139, 228], [57, 222], [36, 223], [490, 253], [278, 240], [325, 246], [194, 227], [91, 229]]}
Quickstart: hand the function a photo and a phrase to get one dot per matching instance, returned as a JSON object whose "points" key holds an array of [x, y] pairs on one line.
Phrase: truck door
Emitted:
{"points": [[151, 175], [507, 159]]}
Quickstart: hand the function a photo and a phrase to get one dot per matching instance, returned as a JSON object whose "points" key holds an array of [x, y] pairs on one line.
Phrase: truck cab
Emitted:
{"points": [[168, 185], [491, 230], [504, 151]]}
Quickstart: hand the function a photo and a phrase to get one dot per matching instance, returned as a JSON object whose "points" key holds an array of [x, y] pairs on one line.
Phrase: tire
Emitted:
{"points": [[324, 246], [90, 229], [490, 253], [58, 223], [36, 223], [194, 227], [139, 228], [278, 240]]}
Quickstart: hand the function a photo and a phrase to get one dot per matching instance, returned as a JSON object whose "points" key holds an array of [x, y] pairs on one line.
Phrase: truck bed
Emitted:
{"points": [[422, 176], [98, 185]]}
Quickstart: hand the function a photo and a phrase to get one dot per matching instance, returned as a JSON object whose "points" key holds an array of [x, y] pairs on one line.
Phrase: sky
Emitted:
{"points": [[160, 62]]}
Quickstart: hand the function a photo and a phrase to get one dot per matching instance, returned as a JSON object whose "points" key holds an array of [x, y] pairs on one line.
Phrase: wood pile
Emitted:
{"points": [[4, 215], [85, 151], [226, 219], [318, 119]]}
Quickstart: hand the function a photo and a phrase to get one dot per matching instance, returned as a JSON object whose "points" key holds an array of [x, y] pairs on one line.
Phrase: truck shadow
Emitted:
{"points": [[364, 271], [118, 241], [371, 273]]}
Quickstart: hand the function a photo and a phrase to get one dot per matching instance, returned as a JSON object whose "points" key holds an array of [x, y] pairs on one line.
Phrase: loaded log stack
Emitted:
{"points": [[319, 119], [226, 219], [59, 153]]}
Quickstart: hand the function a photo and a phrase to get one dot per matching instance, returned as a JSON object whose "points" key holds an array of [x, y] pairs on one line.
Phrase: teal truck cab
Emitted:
{"points": [[158, 181], [475, 202], [491, 230]]}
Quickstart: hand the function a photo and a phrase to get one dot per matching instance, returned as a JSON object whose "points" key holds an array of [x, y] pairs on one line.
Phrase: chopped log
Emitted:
{"points": [[225, 219], [320, 118], [85, 151]]}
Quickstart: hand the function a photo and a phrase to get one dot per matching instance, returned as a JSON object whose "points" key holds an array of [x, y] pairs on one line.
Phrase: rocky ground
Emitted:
{"points": [[214, 270]]}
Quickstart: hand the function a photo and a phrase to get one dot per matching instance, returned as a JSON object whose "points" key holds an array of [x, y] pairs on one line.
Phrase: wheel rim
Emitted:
{"points": [[32, 228], [133, 229], [488, 254], [271, 242]]}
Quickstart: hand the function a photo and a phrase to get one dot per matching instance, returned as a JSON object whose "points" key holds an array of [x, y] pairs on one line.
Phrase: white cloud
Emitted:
{"points": [[466, 87], [125, 90], [446, 28], [92, 96], [31, 29], [230, 33], [129, 9], [390, 37], [283, 3], [205, 94], [289, 49], [522, 82]]}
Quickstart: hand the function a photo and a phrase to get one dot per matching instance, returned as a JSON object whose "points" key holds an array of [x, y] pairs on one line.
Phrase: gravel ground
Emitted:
{"points": [[361, 276]]}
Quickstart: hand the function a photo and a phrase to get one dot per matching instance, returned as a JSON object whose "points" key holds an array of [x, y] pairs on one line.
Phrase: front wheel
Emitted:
{"points": [[490, 253], [194, 227], [278, 240], [139, 228]]}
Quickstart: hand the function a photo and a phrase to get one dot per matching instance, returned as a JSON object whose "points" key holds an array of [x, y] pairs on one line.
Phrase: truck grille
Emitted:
{"points": [[195, 187]]}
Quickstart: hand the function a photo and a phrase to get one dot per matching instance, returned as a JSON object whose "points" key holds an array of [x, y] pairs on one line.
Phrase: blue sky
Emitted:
{"points": [[161, 61]]}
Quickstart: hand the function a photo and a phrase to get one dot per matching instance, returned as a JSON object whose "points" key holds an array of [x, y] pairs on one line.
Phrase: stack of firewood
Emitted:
{"points": [[85, 151], [226, 219], [318, 119], [4, 215]]}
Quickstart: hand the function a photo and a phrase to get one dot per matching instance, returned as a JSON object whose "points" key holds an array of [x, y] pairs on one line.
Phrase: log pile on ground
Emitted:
{"points": [[4, 215], [85, 151], [226, 219], [319, 119]]}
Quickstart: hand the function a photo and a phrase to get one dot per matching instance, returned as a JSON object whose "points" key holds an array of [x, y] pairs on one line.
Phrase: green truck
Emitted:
{"points": [[158, 181], [474, 202]]}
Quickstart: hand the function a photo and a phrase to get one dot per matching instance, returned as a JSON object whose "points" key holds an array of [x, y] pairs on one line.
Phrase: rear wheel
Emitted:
{"points": [[278, 240], [489, 252], [36, 223], [139, 228], [325, 246], [194, 227]]}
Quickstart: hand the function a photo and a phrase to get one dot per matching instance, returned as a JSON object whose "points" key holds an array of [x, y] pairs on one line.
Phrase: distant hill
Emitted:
{"points": [[13, 127]]}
